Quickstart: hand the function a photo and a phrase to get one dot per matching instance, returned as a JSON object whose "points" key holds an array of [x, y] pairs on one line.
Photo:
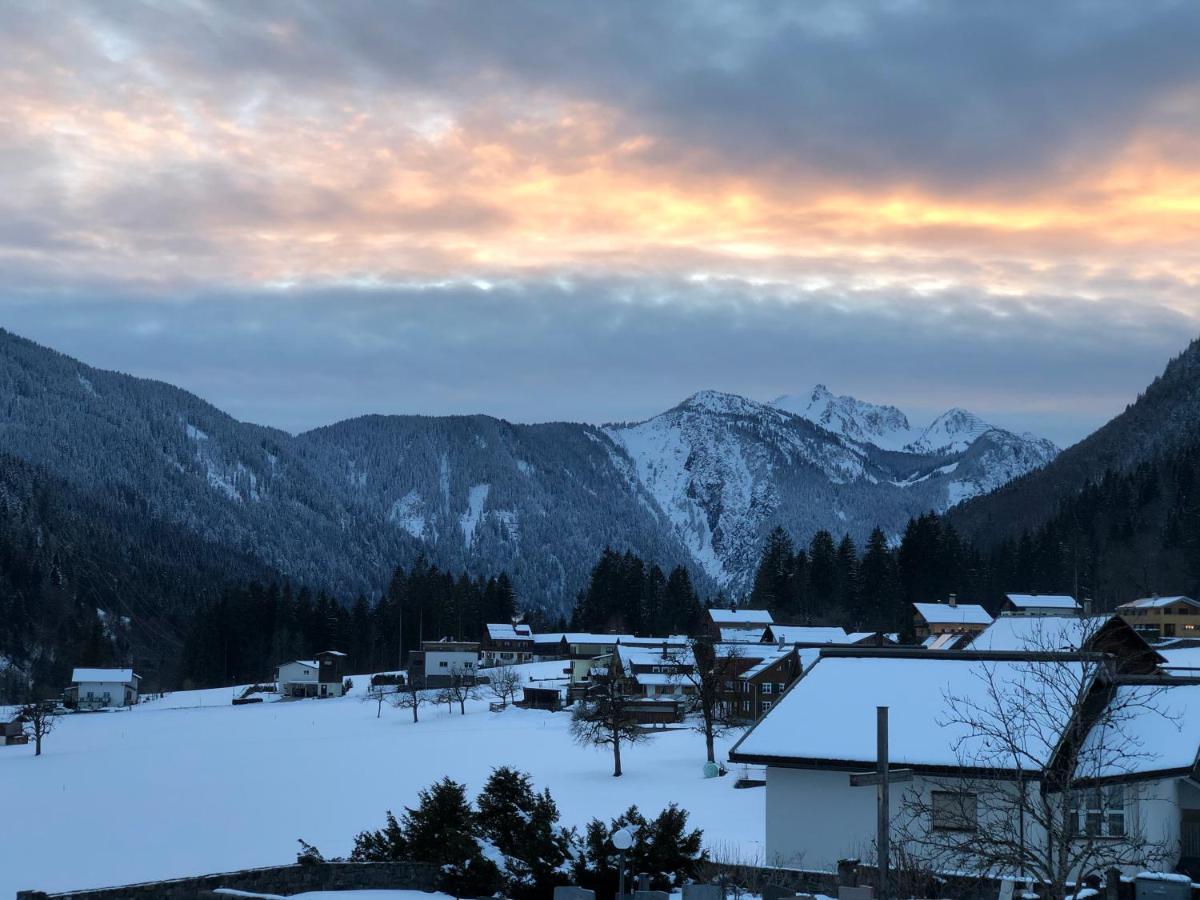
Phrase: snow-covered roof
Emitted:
{"points": [[743, 635], [959, 614], [1180, 657], [507, 632], [659, 679], [829, 714], [1156, 602], [654, 656], [120, 676], [1162, 724], [1038, 633], [799, 634], [331, 653], [311, 663], [944, 641], [1042, 601], [740, 616], [765, 664], [671, 640], [582, 637]]}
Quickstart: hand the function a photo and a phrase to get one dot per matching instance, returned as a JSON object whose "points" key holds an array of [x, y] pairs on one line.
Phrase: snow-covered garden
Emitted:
{"points": [[190, 783]]}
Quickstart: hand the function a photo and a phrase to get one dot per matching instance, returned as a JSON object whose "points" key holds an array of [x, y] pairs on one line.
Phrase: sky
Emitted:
{"points": [[590, 210]]}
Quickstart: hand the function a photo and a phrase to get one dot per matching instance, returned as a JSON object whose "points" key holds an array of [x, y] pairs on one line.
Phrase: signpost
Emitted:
{"points": [[882, 778]]}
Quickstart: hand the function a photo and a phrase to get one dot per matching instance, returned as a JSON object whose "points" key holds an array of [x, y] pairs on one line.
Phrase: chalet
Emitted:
{"points": [[654, 671], [764, 683], [1163, 617], [824, 729], [725, 624], [506, 645], [1040, 605], [1111, 635], [585, 651], [440, 663], [102, 688], [951, 617], [321, 676]]}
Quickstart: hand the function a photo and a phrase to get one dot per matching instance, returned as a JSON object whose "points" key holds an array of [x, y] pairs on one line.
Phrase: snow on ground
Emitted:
{"points": [[191, 784]]}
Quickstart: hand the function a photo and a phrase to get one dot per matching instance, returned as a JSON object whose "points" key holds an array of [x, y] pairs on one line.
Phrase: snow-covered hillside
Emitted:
{"points": [[321, 770], [884, 426]]}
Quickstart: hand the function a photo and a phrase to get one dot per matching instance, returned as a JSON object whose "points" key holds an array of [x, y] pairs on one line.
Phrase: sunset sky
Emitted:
{"points": [[590, 210]]}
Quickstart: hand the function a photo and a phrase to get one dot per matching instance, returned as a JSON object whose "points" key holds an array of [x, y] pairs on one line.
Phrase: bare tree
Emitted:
{"points": [[407, 696], [715, 667], [377, 693], [1044, 741], [38, 720], [462, 688], [603, 719], [503, 683]]}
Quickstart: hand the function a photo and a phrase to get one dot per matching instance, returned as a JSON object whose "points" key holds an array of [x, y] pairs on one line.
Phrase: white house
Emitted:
{"points": [[949, 618], [438, 663], [824, 729], [102, 688], [722, 623], [320, 676]]}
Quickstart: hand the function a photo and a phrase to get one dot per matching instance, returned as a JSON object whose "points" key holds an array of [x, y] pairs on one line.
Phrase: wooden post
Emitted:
{"points": [[881, 764]]}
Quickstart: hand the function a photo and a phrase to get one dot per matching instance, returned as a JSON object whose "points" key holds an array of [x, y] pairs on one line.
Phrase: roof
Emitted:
{"points": [[1155, 602], [122, 676], [654, 656], [960, 614], [946, 641], [765, 664], [505, 632], [828, 716], [1015, 633], [331, 653], [740, 616], [582, 637], [800, 634], [657, 678], [1180, 657], [743, 635], [1160, 722], [304, 662], [1042, 601]]}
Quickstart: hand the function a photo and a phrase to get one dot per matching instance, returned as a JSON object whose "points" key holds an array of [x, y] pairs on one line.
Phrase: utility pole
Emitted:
{"points": [[882, 778]]}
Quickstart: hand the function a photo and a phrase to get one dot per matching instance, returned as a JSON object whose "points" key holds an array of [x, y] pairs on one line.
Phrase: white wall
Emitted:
{"points": [[296, 671], [115, 690], [464, 662]]}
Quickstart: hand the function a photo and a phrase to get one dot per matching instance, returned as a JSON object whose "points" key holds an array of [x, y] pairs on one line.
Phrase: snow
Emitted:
{"points": [[814, 634], [951, 432], [829, 714], [340, 895], [108, 675], [505, 632], [469, 521], [740, 616], [959, 614], [407, 514], [1156, 602], [884, 426], [164, 777], [1042, 601], [1180, 658], [1161, 725], [1038, 633], [742, 635]]}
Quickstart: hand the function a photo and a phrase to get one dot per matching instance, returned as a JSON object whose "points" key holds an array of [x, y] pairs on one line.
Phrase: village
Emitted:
{"points": [[1047, 744]]}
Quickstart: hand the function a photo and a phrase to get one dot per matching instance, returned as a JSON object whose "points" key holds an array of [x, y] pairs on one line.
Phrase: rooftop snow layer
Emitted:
{"points": [[121, 676], [1038, 633], [1159, 730], [740, 616], [799, 634], [1156, 602], [960, 614], [1042, 601], [830, 713], [503, 632]]}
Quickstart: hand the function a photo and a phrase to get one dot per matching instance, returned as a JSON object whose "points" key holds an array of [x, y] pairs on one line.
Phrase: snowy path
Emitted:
{"points": [[160, 792]]}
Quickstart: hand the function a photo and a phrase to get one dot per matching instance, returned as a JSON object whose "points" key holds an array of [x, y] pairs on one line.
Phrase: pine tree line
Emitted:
{"points": [[626, 595]]}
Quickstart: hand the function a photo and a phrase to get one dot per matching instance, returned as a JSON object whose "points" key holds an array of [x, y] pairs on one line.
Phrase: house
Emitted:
{"points": [[814, 635], [506, 645], [1107, 634], [1163, 617], [102, 688], [824, 729], [542, 696], [321, 676], [586, 651], [951, 617], [439, 663], [723, 623], [1040, 605], [765, 682], [649, 672]]}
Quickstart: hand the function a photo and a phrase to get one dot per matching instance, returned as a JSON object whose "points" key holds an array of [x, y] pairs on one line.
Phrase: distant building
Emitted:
{"points": [[506, 645], [765, 682], [13, 732], [951, 617], [102, 688], [1040, 605], [440, 663], [321, 676], [1163, 617], [724, 624]]}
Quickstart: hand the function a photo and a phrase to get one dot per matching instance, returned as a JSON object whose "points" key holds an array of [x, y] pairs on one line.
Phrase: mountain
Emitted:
{"points": [[1163, 419], [338, 507], [884, 426]]}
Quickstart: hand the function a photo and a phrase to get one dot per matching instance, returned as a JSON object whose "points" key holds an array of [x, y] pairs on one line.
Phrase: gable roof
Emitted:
{"points": [[760, 667], [654, 656], [808, 634], [740, 616], [959, 614], [508, 632], [827, 718], [1042, 601], [121, 676], [743, 635], [1155, 602], [1160, 722]]}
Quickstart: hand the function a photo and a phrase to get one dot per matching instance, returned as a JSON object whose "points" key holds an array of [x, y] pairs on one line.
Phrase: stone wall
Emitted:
{"points": [[293, 879]]}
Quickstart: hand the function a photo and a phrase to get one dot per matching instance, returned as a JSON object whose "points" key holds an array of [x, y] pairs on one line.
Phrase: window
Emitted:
{"points": [[779, 686], [954, 811], [766, 688], [1100, 812], [729, 685], [443, 664], [764, 705]]}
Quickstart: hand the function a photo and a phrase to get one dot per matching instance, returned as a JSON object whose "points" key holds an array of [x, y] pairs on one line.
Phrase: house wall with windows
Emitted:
{"points": [[1167, 617]]}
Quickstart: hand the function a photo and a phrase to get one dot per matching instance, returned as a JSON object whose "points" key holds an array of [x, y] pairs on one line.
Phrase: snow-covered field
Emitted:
{"points": [[191, 784]]}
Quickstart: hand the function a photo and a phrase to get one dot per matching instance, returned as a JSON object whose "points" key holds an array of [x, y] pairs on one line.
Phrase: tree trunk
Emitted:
{"points": [[616, 755], [37, 744], [708, 741], [462, 705], [414, 709]]}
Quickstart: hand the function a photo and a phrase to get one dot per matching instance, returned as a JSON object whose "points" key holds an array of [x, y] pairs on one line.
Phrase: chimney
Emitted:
{"points": [[953, 600]]}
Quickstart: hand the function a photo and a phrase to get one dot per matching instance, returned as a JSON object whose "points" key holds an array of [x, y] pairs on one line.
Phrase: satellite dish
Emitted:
{"points": [[622, 839]]}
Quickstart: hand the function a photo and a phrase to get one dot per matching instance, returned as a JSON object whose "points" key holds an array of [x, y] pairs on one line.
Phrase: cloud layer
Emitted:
{"points": [[565, 210]]}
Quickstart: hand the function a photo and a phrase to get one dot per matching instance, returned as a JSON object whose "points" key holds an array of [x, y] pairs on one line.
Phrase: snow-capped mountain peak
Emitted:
{"points": [[884, 426], [952, 432]]}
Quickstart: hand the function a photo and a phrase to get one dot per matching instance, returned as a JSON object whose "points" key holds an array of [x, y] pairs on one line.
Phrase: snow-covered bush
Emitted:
{"points": [[663, 848]]}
